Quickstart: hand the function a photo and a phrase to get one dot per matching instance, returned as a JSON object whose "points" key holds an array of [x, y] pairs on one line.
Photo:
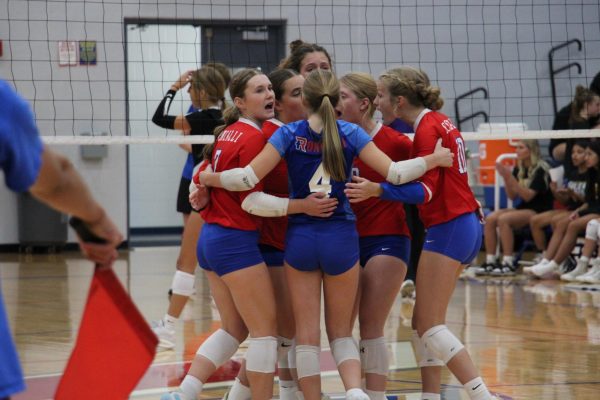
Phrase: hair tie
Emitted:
{"points": [[325, 95]]}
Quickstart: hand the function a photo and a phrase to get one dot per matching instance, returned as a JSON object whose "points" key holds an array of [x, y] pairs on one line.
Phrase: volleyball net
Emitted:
{"points": [[95, 70]]}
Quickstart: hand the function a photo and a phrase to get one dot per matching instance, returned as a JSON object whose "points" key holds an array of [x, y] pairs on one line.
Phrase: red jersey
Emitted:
{"points": [[237, 145], [447, 189], [375, 216], [272, 231]]}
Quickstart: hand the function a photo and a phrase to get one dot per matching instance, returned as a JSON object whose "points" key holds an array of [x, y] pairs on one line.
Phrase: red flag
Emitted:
{"points": [[114, 348]]}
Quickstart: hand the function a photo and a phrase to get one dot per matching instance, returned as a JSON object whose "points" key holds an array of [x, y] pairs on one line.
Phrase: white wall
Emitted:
{"points": [[461, 46]]}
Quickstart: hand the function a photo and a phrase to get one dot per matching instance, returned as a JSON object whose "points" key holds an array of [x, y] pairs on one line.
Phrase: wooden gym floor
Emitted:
{"points": [[530, 339]]}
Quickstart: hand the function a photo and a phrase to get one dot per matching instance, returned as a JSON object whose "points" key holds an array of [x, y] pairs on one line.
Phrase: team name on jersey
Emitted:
{"points": [[448, 125], [230, 136], [307, 146]]}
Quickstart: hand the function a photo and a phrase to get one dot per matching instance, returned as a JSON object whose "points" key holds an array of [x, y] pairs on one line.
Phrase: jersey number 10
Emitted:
{"points": [[462, 158]]}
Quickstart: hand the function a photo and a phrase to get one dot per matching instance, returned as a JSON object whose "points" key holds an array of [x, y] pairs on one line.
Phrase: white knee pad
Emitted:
{"points": [[262, 354], [219, 347], [424, 356], [591, 230], [374, 356], [307, 359], [344, 349], [442, 342], [183, 283], [292, 355], [284, 345]]}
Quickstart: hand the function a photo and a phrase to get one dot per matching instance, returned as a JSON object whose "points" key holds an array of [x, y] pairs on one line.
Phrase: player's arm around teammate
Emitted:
{"points": [[228, 250], [384, 238]]}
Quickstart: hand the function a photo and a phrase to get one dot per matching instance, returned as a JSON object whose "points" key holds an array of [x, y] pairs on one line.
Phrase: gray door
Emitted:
{"points": [[241, 45]]}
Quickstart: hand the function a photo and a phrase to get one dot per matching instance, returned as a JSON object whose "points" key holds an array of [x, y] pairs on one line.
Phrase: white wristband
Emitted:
{"points": [[405, 171], [239, 179]]}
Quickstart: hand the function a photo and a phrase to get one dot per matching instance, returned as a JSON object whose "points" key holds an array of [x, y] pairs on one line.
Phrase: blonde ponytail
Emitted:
{"points": [[321, 91]]}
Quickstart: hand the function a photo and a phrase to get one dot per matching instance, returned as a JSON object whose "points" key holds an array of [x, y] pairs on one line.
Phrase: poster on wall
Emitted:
{"points": [[87, 52], [67, 53]]}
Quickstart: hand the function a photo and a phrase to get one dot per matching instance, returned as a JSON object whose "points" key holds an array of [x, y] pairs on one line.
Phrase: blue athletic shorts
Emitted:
{"points": [[329, 245], [272, 255], [11, 377], [384, 245], [224, 250], [459, 238]]}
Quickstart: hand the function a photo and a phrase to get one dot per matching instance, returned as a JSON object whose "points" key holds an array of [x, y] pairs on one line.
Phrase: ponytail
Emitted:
{"points": [[321, 91], [230, 116]]}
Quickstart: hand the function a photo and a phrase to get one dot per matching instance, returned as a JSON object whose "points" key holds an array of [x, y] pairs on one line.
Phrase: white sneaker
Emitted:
{"points": [[580, 269], [591, 271], [166, 336], [594, 277], [407, 290], [356, 394], [529, 270], [545, 271]]}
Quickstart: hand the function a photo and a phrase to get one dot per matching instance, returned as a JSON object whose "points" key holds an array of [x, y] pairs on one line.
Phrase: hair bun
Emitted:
{"points": [[296, 44]]}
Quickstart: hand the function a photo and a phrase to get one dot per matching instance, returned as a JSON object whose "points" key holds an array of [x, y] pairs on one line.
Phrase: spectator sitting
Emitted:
{"points": [[528, 181]]}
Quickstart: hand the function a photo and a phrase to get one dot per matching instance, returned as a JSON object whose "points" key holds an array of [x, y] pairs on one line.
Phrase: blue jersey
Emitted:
{"points": [[20, 144], [301, 148], [20, 159]]}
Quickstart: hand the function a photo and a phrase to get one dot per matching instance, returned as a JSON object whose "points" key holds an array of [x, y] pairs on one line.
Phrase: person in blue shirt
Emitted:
{"points": [[29, 165], [321, 251]]}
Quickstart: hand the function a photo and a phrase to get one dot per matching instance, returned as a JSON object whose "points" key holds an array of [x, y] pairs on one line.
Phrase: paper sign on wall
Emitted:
{"points": [[87, 52], [67, 53]]}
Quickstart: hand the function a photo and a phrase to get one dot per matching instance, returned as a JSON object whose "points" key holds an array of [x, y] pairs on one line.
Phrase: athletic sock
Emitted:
{"points": [[169, 321], [239, 391], [477, 390], [191, 386]]}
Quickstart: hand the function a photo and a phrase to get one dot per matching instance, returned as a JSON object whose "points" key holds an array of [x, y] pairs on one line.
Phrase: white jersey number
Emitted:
{"points": [[462, 158], [216, 160], [320, 181]]}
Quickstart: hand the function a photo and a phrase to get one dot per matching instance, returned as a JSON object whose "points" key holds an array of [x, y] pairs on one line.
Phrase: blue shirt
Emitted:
{"points": [[300, 146], [20, 144], [20, 159]]}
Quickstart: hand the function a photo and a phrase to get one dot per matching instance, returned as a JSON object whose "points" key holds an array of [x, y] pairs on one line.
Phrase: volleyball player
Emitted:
{"points": [[306, 57], [319, 154], [287, 88], [29, 165], [206, 87], [449, 211], [384, 238]]}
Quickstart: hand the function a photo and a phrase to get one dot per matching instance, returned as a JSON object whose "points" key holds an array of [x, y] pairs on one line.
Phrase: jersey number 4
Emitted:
{"points": [[320, 181]]}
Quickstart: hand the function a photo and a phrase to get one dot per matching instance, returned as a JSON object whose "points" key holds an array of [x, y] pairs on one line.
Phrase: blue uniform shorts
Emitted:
{"points": [[224, 250], [459, 238], [11, 377], [272, 255], [331, 246], [384, 245]]}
